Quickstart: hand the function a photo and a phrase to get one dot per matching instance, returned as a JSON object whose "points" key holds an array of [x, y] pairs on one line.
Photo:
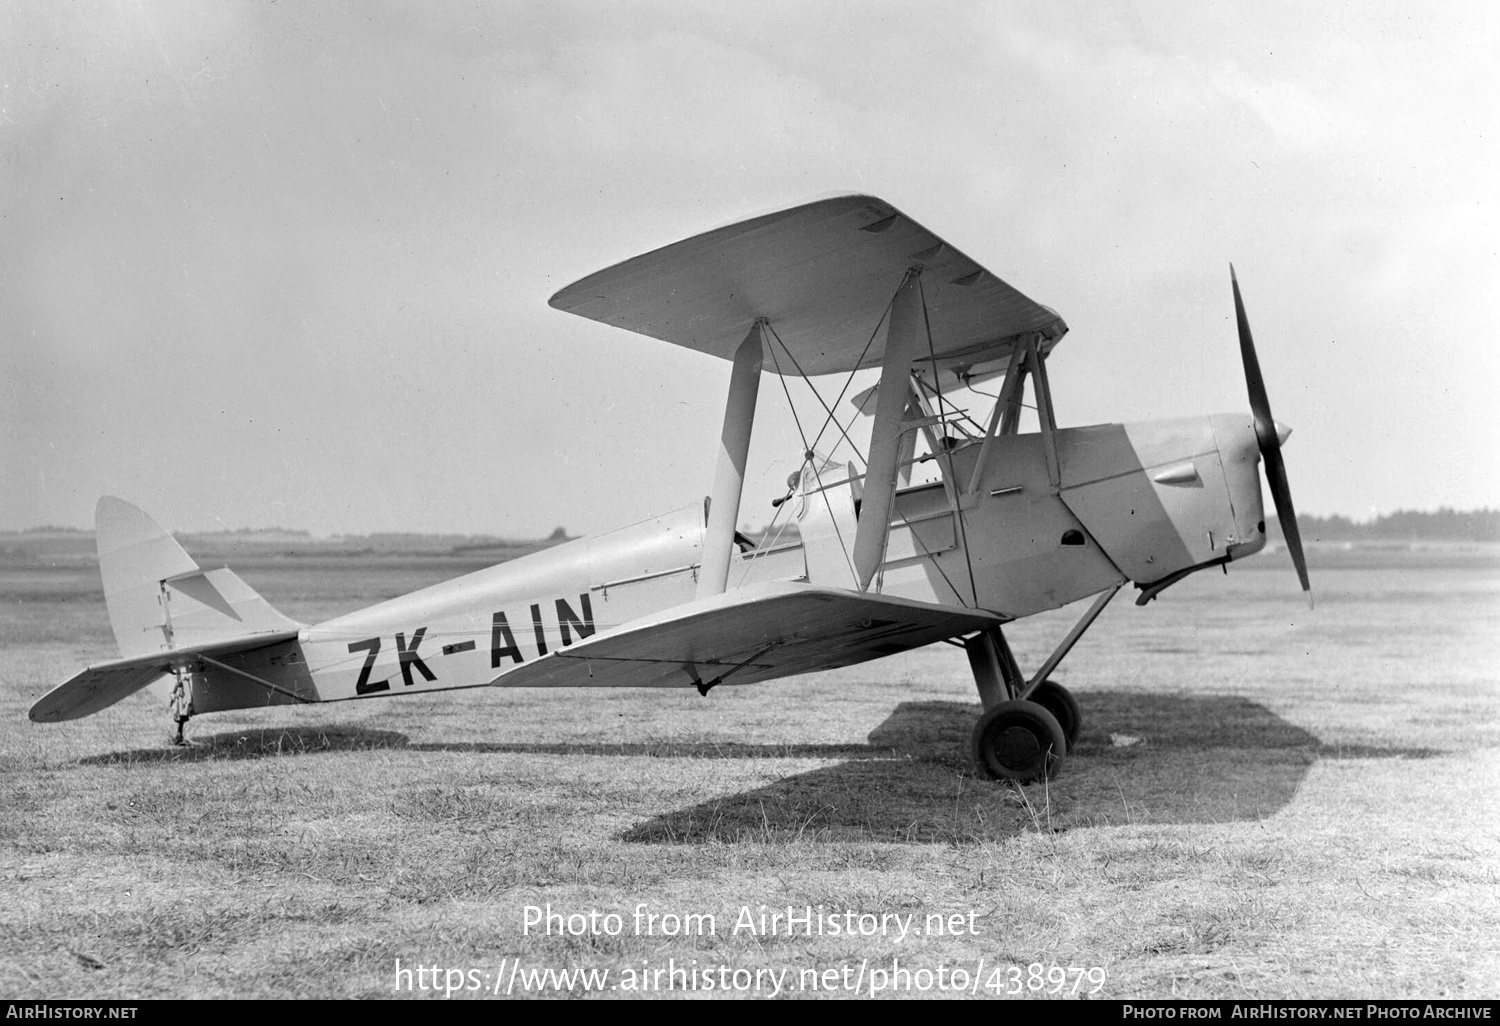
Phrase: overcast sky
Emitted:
{"points": [[285, 263]]}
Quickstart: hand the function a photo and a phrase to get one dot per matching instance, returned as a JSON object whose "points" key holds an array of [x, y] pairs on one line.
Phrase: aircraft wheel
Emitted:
{"points": [[1018, 741], [1059, 701]]}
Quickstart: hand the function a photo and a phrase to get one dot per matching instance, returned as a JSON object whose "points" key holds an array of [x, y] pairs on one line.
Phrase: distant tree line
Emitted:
{"points": [[1445, 524], [1482, 525]]}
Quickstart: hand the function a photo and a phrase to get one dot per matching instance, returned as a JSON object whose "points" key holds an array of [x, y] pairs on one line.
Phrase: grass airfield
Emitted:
{"points": [[1266, 802]]}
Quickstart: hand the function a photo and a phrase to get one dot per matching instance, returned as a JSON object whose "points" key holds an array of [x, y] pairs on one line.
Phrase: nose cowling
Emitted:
{"points": [[1239, 455]]}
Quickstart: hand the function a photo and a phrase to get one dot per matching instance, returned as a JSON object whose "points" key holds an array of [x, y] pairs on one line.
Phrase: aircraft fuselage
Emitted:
{"points": [[1125, 502]]}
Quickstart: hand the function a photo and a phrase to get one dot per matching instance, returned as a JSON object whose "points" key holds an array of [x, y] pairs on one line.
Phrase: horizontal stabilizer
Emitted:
{"points": [[822, 274], [164, 609], [100, 687], [750, 635]]}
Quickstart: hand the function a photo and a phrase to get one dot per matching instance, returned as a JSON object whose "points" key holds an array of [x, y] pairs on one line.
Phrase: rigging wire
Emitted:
{"points": [[1014, 402], [766, 546], [951, 484], [847, 380], [819, 396], [931, 558], [807, 450], [780, 376]]}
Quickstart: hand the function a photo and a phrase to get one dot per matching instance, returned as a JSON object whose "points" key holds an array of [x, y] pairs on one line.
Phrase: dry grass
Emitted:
{"points": [[1264, 803]]}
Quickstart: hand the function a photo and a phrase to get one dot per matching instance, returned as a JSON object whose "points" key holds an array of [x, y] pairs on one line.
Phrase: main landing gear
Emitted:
{"points": [[1028, 727]]}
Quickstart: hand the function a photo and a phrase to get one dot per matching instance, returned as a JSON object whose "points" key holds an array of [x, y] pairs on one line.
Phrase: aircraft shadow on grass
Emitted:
{"points": [[259, 743], [1141, 759]]}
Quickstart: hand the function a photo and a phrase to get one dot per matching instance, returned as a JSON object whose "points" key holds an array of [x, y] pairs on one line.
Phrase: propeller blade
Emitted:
{"points": [[1282, 493], [1269, 441]]}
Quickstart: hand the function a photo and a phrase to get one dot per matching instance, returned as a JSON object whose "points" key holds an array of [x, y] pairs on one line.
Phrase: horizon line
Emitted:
{"points": [[307, 532]]}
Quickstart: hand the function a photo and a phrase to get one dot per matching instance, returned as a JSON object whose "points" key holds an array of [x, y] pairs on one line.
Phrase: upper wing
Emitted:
{"points": [[101, 686], [753, 634], [822, 274]]}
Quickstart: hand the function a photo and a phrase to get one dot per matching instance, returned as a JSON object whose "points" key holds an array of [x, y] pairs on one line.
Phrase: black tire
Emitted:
{"points": [[1059, 701], [1018, 741]]}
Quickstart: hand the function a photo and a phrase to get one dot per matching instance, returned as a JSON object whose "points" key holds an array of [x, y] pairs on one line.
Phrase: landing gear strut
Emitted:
{"points": [[1027, 727]]}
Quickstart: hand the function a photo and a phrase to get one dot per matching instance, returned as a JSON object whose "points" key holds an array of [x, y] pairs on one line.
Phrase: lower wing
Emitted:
{"points": [[750, 635]]}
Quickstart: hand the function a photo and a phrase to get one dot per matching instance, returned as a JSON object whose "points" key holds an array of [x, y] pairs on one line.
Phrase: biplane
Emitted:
{"points": [[945, 526]]}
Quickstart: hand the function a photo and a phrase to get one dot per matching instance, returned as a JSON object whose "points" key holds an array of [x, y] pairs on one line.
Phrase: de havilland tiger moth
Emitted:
{"points": [[946, 528]]}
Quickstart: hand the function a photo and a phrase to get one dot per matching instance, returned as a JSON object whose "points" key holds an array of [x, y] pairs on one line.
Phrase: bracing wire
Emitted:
{"points": [[1017, 403], [952, 486], [819, 396], [831, 417], [807, 450], [931, 559], [848, 380], [781, 376]]}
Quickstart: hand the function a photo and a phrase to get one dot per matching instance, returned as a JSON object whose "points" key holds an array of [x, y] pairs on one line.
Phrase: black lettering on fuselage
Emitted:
{"points": [[500, 632], [566, 618], [365, 686], [409, 657], [536, 628]]}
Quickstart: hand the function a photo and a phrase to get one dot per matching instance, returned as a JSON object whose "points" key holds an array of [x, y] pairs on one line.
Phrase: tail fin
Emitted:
{"points": [[158, 598], [163, 608]]}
